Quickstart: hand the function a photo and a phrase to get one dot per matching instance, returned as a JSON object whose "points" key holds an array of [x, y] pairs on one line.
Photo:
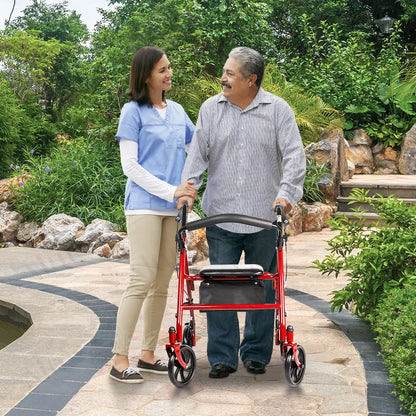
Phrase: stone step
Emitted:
{"points": [[402, 186], [398, 190], [369, 218], [344, 206]]}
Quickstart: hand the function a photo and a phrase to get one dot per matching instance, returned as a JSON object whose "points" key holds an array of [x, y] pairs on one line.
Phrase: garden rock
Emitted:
{"points": [[361, 156], [93, 231], [407, 160], [386, 160], [361, 138], [9, 223], [331, 151], [326, 211], [121, 250], [312, 219], [103, 251], [109, 239], [26, 231], [295, 221], [59, 232]]}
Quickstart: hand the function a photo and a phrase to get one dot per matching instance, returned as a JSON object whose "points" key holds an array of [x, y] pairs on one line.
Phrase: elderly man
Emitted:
{"points": [[249, 142]]}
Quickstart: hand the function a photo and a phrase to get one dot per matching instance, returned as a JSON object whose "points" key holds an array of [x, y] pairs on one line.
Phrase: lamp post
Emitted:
{"points": [[385, 24]]}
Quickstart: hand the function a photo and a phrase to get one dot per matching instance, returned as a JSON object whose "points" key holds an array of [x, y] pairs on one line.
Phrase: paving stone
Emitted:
{"points": [[83, 293]]}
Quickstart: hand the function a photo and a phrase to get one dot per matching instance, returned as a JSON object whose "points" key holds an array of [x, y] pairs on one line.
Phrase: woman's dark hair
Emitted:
{"points": [[142, 64]]}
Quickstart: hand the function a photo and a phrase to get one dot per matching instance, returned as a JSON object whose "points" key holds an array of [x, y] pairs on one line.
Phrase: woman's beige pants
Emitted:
{"points": [[152, 262]]}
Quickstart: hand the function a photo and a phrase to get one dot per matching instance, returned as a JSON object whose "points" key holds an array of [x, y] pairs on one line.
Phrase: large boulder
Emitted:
{"points": [[360, 154], [9, 223], [59, 232], [92, 237], [386, 160], [407, 160]]}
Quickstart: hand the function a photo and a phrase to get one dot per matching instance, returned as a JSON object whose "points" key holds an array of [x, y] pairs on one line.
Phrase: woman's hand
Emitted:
{"points": [[186, 189]]}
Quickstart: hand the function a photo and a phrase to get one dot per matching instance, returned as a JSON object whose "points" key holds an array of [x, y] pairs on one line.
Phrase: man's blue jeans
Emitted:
{"points": [[223, 327]]}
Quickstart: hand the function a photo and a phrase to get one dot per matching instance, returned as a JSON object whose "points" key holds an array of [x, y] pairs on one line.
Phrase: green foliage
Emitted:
{"points": [[393, 107], [311, 113], [370, 86], [81, 177], [377, 259], [12, 120], [55, 24], [314, 174], [394, 322], [26, 60]]}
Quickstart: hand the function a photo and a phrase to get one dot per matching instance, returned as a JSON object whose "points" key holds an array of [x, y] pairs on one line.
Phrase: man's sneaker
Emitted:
{"points": [[159, 367], [129, 375]]}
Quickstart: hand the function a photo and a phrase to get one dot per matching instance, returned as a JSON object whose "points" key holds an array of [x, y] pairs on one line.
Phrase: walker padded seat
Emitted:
{"points": [[231, 270]]}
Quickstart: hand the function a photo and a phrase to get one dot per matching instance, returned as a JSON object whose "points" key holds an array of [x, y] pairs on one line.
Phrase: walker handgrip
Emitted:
{"points": [[279, 212], [181, 217], [230, 218]]}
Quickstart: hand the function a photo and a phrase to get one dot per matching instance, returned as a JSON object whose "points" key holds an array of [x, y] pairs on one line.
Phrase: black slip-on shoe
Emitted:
{"points": [[221, 371], [255, 367]]}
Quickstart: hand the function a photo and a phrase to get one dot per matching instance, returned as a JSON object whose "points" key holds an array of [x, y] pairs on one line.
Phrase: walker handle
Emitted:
{"points": [[181, 217], [281, 217]]}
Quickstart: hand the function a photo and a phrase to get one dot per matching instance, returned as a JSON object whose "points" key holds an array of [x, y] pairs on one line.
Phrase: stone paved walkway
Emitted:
{"points": [[60, 365]]}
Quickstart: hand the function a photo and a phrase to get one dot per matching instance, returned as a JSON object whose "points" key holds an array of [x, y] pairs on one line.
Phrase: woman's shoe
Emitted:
{"points": [[159, 367], [129, 375]]}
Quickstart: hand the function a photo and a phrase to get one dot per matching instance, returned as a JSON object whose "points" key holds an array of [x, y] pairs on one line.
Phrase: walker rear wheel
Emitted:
{"points": [[178, 375], [293, 373]]}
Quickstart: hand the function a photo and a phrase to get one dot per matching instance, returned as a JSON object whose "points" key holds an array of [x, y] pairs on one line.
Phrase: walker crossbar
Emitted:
{"points": [[230, 218]]}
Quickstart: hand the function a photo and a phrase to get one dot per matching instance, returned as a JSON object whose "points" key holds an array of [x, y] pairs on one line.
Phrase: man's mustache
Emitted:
{"points": [[224, 84]]}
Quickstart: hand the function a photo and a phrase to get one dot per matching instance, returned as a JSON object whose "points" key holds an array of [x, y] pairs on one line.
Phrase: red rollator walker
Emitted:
{"points": [[229, 287]]}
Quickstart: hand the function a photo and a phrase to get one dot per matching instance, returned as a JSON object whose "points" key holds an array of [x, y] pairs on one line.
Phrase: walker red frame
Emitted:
{"points": [[182, 360]]}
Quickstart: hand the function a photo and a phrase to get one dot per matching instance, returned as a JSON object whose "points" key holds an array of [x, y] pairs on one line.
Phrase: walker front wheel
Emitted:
{"points": [[293, 373], [179, 375]]}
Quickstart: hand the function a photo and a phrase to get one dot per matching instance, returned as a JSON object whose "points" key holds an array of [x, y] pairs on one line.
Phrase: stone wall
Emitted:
{"points": [[346, 158]]}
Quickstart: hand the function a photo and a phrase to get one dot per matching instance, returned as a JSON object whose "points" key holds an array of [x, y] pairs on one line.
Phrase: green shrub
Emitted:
{"points": [[12, 119], [81, 177], [394, 322], [314, 174], [376, 259]]}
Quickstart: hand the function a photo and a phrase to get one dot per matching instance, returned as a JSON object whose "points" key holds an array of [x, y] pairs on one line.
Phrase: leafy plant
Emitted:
{"points": [[394, 322], [314, 174], [376, 259], [393, 109], [81, 177]]}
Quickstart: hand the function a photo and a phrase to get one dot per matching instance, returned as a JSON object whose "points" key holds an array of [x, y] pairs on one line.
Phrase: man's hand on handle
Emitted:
{"points": [[184, 199], [287, 207]]}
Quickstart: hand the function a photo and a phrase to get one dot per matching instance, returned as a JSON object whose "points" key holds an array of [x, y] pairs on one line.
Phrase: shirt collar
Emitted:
{"points": [[261, 98]]}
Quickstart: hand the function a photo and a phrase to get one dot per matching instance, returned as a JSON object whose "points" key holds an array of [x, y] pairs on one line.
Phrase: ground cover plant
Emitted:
{"points": [[381, 265], [80, 177], [394, 322]]}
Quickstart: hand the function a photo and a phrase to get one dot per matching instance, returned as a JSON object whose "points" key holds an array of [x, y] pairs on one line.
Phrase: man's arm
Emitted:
{"points": [[197, 159], [293, 161]]}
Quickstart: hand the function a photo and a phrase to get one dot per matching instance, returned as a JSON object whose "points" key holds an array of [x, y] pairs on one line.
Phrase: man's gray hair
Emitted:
{"points": [[250, 62]]}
